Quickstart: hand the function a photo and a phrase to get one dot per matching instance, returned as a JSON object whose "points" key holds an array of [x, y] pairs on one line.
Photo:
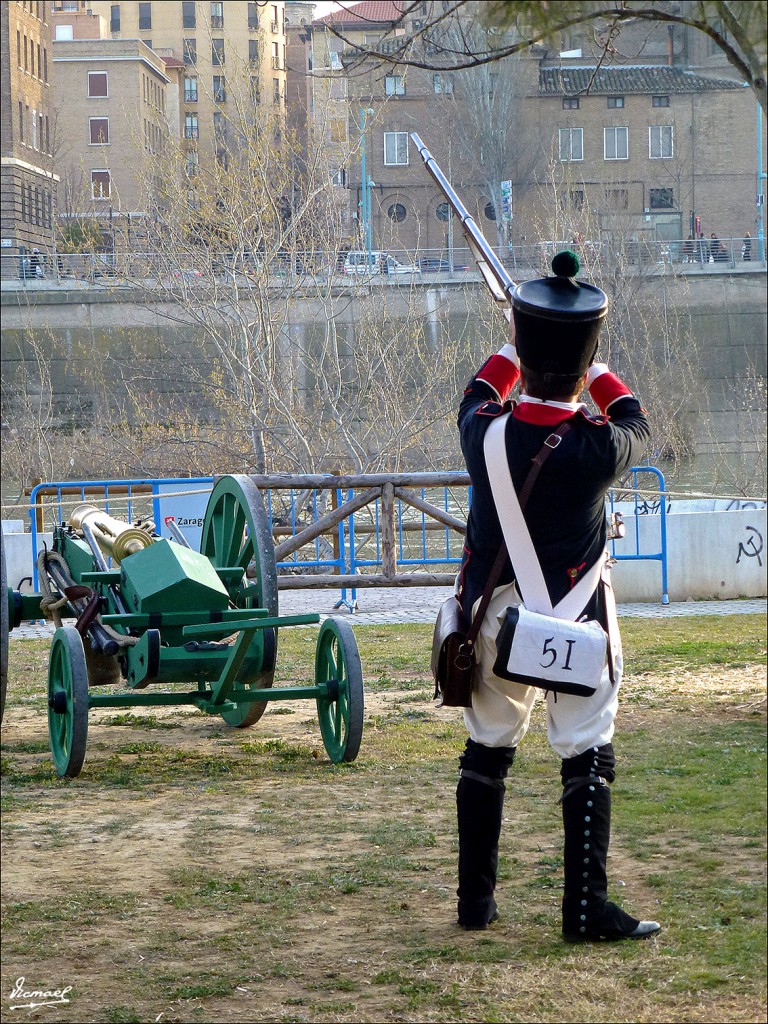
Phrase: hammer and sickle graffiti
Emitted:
{"points": [[753, 546]]}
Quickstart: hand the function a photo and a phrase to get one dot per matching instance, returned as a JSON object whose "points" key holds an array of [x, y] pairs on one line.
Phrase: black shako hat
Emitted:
{"points": [[557, 320]]}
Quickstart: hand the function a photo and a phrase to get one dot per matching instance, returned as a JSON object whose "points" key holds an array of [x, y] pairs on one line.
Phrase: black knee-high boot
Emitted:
{"points": [[588, 914], [479, 806]]}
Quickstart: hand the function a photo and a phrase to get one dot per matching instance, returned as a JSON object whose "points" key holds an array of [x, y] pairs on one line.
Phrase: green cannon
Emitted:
{"points": [[150, 612]]}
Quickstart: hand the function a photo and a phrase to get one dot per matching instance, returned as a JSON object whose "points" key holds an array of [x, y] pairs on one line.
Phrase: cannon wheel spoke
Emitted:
{"points": [[337, 662], [236, 532], [67, 702]]}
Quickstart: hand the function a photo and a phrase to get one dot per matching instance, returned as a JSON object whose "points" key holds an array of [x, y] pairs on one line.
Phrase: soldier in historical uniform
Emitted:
{"points": [[554, 337]]}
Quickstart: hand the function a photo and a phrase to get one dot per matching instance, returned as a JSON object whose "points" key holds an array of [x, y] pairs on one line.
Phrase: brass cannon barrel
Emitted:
{"points": [[115, 537]]}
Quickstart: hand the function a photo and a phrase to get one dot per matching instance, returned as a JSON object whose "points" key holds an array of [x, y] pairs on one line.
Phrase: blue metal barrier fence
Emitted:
{"points": [[427, 532]]}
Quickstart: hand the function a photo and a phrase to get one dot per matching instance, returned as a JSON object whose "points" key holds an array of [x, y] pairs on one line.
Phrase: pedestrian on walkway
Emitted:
{"points": [[551, 352]]}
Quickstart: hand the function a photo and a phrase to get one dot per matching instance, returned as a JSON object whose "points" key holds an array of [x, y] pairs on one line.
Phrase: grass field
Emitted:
{"points": [[198, 873]]}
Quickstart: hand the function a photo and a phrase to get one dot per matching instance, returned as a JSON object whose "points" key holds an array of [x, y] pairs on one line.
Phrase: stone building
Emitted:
{"points": [[117, 105], [28, 178], [657, 141]]}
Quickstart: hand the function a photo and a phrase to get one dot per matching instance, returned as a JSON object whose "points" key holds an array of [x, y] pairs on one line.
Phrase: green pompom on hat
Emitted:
{"points": [[558, 319], [566, 264]]}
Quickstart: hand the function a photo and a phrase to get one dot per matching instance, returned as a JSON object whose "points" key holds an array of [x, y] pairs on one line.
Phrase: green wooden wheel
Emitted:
{"points": [[236, 532], [67, 702], [4, 628], [337, 663]]}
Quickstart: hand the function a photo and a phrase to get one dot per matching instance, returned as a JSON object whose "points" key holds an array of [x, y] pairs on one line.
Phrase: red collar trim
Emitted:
{"points": [[541, 415]]}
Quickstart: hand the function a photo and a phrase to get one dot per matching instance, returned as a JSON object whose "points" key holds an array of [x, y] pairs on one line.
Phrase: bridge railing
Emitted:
{"points": [[339, 531], [198, 269]]}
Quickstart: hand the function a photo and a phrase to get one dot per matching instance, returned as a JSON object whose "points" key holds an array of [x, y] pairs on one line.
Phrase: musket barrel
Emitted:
{"points": [[499, 283]]}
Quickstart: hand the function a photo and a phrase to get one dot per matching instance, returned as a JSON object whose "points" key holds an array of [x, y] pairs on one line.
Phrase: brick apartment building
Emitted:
{"points": [[28, 178]]}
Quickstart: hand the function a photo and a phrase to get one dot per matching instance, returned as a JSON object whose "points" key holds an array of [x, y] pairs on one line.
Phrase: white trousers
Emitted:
{"points": [[501, 710]]}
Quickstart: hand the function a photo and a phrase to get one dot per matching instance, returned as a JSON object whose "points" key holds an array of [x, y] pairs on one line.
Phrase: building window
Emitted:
{"points": [[442, 84], [276, 56], [490, 211], [219, 89], [190, 51], [253, 16], [34, 129], [615, 143], [145, 17], [190, 126], [255, 90], [615, 102], [571, 142], [253, 51], [576, 199], [339, 178], [190, 90], [101, 185], [188, 19], [21, 121], [217, 52], [617, 198], [114, 18], [662, 199], [661, 142], [98, 128], [217, 15], [276, 91], [97, 84], [570, 102], [45, 64], [443, 212], [394, 85], [660, 101], [397, 212], [395, 148], [192, 163]]}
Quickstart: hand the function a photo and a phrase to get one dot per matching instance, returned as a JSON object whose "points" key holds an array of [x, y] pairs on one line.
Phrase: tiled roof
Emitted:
{"points": [[638, 78], [363, 14]]}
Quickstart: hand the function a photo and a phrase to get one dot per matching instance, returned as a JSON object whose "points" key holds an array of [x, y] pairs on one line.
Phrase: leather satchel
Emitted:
{"points": [[453, 660]]}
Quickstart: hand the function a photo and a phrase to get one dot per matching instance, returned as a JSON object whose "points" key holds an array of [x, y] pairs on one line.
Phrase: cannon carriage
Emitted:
{"points": [[138, 616]]}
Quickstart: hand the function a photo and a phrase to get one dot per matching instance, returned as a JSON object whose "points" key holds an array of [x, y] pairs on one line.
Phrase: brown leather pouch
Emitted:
{"points": [[453, 658]]}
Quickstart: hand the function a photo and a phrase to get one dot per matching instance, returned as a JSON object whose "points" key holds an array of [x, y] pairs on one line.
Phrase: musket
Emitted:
{"points": [[498, 281]]}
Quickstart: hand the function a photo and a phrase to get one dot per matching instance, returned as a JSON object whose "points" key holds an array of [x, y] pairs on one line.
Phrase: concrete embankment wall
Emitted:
{"points": [[77, 331]]}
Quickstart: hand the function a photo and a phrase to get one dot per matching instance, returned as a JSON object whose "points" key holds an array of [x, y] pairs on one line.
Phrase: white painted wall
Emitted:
{"points": [[709, 555]]}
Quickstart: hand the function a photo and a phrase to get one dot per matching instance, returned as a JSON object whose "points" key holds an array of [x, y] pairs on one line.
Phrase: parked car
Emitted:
{"points": [[358, 261], [435, 265]]}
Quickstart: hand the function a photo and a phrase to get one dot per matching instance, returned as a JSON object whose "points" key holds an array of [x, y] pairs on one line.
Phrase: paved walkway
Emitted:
{"points": [[383, 605]]}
